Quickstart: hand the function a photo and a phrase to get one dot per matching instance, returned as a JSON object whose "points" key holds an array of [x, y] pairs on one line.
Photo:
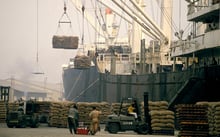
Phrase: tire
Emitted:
{"points": [[10, 126], [21, 124], [113, 128], [34, 124], [143, 129]]}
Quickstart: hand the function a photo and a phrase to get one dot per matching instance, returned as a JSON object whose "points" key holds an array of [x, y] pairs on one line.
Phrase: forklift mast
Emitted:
{"points": [[147, 117], [4, 95]]}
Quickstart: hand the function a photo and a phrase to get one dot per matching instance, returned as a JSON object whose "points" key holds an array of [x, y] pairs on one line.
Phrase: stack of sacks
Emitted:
{"points": [[44, 111], [2, 111], [158, 105], [162, 119], [54, 114], [116, 108], [155, 105], [58, 113], [216, 114], [85, 108], [213, 117], [63, 113]]}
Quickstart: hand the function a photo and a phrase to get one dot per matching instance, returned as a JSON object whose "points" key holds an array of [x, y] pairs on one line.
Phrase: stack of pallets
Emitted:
{"points": [[192, 120]]}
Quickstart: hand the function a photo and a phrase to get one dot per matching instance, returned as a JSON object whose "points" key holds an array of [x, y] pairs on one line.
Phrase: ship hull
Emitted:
{"points": [[81, 84], [188, 86]]}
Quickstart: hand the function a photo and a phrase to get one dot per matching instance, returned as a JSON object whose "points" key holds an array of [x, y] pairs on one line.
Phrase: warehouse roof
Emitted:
{"points": [[31, 86]]}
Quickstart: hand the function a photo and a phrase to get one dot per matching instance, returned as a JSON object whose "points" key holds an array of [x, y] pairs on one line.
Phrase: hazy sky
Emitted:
{"points": [[18, 39]]}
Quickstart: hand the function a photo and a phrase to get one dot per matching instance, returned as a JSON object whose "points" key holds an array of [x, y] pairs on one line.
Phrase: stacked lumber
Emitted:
{"points": [[65, 42], [162, 119], [2, 111], [192, 120], [82, 61]]}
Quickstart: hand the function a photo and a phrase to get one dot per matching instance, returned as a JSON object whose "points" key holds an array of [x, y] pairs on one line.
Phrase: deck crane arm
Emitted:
{"points": [[78, 5], [98, 28], [107, 4], [143, 20]]}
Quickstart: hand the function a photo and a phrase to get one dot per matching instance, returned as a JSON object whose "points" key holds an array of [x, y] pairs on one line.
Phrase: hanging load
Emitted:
{"points": [[65, 42], [82, 61]]}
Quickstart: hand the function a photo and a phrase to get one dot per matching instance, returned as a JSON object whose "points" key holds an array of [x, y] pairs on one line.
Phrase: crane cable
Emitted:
{"points": [[83, 16], [37, 34], [103, 26], [64, 21], [38, 71], [65, 13], [168, 18], [122, 13]]}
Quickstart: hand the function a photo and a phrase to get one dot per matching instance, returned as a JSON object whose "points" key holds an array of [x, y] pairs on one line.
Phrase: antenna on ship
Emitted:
{"points": [[38, 70]]}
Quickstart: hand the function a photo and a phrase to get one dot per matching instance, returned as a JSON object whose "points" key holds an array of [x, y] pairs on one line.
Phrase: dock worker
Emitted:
{"points": [[94, 115], [73, 117], [131, 110]]}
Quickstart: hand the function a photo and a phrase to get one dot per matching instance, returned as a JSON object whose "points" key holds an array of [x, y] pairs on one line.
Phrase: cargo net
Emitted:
{"points": [[82, 61], [64, 39], [65, 42]]}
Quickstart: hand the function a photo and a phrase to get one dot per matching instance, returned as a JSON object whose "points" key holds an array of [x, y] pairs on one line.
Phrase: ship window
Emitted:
{"points": [[125, 57]]}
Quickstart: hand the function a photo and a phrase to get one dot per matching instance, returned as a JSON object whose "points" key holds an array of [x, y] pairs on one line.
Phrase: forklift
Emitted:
{"points": [[123, 121], [25, 115]]}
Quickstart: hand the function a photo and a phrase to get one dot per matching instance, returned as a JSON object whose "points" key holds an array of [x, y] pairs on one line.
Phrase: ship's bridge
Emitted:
{"points": [[205, 15], [203, 11]]}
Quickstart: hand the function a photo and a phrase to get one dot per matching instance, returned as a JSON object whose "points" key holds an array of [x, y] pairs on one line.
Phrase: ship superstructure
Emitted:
{"points": [[202, 44], [180, 71]]}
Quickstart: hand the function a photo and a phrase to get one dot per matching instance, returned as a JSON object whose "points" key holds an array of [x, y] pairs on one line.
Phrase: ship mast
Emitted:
{"points": [[166, 17]]}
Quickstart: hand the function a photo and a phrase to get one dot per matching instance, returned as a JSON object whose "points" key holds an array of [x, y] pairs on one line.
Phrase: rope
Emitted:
{"points": [[82, 92], [77, 79]]}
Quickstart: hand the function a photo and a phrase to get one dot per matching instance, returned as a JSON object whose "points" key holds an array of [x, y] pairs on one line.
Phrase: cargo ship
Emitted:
{"points": [[181, 70]]}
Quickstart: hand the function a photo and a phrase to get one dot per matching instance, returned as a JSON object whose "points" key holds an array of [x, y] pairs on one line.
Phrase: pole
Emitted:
{"points": [[146, 112]]}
